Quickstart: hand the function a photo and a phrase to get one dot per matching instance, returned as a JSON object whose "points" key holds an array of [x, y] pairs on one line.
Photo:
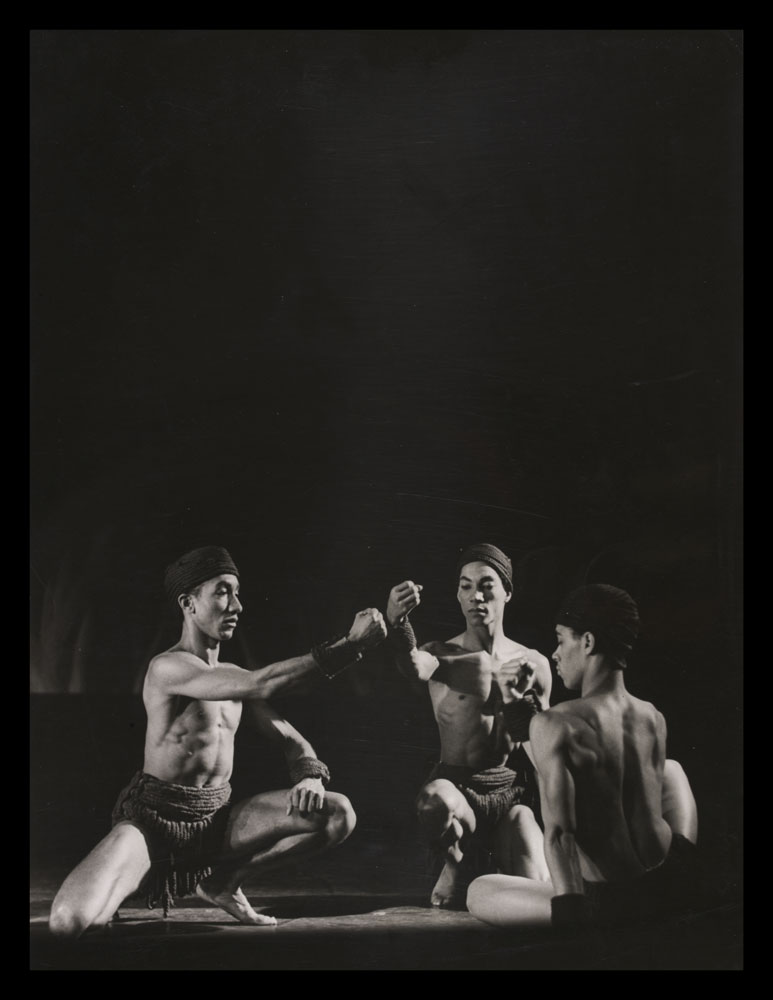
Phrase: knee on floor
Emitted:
{"points": [[66, 921]]}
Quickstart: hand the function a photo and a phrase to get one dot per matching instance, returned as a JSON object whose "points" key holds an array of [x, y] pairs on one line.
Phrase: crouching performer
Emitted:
{"points": [[474, 808], [175, 829]]}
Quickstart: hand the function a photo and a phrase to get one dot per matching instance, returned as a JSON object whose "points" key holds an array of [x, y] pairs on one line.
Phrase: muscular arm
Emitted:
{"points": [[557, 799], [412, 662], [525, 683], [274, 728], [181, 674], [308, 792]]}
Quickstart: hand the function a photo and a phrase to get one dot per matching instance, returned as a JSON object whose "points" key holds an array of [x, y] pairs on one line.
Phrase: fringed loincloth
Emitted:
{"points": [[184, 827], [491, 792]]}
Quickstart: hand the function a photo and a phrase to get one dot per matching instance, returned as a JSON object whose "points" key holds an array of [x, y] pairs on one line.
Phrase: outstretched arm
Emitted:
{"points": [[180, 673], [307, 772], [184, 674], [557, 799]]}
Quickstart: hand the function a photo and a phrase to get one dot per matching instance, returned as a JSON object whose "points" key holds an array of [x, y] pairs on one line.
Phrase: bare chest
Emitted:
{"points": [[459, 709], [205, 717]]}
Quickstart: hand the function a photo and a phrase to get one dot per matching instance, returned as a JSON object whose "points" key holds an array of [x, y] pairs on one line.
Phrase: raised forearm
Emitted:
{"points": [[402, 643]]}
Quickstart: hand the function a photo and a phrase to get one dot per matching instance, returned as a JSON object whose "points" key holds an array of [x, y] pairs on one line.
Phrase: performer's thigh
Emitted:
{"points": [[518, 844], [442, 793], [109, 873], [678, 802], [262, 819], [509, 901]]}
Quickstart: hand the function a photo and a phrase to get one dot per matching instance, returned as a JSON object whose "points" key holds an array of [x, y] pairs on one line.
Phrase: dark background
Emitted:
{"points": [[347, 301]]}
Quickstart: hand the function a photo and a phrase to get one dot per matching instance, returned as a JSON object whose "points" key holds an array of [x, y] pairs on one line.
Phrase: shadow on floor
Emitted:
{"points": [[361, 933]]}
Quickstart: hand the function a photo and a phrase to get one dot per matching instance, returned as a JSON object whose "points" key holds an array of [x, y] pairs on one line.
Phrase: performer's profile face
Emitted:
{"points": [[567, 657], [217, 606], [481, 593]]}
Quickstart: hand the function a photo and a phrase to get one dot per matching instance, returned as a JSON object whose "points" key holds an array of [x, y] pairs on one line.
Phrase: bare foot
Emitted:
{"points": [[237, 904], [450, 892]]}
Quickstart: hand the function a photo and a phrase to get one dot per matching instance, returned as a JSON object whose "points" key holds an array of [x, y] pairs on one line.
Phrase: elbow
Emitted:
{"points": [[423, 665], [560, 838], [414, 667]]}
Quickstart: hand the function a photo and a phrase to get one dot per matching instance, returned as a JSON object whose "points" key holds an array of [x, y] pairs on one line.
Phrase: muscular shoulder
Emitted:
{"points": [[540, 661], [175, 665], [171, 660], [549, 733], [645, 712], [556, 723], [438, 647], [540, 658], [556, 719]]}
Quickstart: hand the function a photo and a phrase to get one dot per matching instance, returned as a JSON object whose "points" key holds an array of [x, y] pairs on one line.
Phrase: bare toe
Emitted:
{"points": [[238, 906]]}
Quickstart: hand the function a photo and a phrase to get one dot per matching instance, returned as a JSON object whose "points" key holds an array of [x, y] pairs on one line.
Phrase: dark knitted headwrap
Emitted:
{"points": [[494, 557], [187, 572], [608, 612]]}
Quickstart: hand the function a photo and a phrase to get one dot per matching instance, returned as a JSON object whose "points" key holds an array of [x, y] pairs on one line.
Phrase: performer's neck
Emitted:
{"points": [[489, 637], [204, 646], [599, 679]]}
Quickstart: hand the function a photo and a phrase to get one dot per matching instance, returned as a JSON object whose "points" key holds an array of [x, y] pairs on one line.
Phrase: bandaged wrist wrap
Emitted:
{"points": [[401, 636], [309, 767], [333, 661], [518, 714], [570, 910]]}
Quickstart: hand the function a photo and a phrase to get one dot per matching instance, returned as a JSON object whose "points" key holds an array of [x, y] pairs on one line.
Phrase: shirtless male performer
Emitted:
{"points": [[175, 830], [620, 820], [473, 808]]}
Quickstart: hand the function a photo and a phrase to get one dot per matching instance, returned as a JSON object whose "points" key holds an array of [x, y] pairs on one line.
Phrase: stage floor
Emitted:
{"points": [[355, 928]]}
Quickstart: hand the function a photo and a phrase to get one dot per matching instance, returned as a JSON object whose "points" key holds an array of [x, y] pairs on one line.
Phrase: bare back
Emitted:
{"points": [[189, 741], [614, 748]]}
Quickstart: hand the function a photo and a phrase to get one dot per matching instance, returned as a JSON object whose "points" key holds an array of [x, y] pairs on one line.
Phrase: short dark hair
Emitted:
{"points": [[609, 613]]}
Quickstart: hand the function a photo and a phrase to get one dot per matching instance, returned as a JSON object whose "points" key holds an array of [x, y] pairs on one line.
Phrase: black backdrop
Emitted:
{"points": [[346, 301]]}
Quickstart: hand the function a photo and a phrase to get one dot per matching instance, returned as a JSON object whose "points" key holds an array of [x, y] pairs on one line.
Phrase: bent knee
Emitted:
{"points": [[438, 797], [673, 771], [342, 819], [66, 921], [433, 815], [521, 816], [480, 892]]}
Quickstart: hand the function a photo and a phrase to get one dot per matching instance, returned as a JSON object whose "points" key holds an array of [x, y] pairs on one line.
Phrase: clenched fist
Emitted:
{"points": [[402, 600], [368, 628], [522, 675]]}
